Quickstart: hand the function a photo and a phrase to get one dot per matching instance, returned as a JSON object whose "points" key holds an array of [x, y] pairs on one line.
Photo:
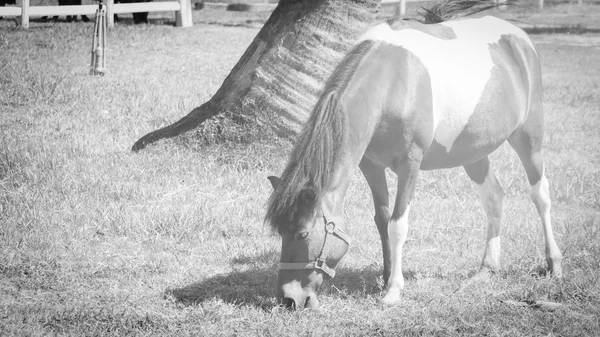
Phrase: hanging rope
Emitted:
{"points": [[98, 64]]}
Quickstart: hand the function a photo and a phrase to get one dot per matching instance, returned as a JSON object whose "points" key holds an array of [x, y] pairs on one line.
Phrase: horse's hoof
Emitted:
{"points": [[485, 273], [391, 297], [555, 272], [555, 267]]}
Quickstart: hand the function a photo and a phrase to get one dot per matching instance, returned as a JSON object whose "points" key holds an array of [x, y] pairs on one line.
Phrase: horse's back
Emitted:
{"points": [[483, 73]]}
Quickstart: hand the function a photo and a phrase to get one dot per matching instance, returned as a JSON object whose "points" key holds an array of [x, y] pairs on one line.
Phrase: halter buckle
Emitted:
{"points": [[330, 227]]}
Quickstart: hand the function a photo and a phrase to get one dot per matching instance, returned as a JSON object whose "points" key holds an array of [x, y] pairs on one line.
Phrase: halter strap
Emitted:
{"points": [[320, 263]]}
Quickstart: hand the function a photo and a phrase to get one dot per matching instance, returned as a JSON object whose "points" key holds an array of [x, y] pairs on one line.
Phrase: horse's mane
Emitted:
{"points": [[318, 151], [452, 9]]}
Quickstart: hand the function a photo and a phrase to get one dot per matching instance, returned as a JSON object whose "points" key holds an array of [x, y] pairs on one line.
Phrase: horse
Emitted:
{"points": [[410, 96]]}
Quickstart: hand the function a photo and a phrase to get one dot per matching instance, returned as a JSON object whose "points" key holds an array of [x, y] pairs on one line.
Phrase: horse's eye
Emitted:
{"points": [[301, 236]]}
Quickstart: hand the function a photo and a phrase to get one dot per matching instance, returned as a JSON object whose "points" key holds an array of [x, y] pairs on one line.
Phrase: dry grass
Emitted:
{"points": [[96, 240]]}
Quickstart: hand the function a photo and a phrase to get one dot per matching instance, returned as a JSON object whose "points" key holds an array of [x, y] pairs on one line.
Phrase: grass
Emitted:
{"points": [[96, 240]]}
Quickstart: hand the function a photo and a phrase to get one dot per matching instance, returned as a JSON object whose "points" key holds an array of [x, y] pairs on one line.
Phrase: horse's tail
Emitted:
{"points": [[452, 9]]}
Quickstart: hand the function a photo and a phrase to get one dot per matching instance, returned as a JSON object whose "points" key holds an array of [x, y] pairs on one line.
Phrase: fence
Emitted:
{"points": [[400, 6], [182, 9]]}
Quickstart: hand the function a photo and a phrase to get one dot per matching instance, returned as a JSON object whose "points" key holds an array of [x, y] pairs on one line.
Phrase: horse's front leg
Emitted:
{"points": [[407, 170], [375, 176]]}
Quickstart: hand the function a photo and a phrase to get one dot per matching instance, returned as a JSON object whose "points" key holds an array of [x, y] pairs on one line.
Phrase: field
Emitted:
{"points": [[96, 240]]}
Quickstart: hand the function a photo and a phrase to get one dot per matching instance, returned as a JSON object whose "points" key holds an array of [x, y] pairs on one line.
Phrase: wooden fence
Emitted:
{"points": [[399, 5], [182, 9]]}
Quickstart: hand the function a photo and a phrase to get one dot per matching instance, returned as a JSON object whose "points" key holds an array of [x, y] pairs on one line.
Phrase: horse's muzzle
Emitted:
{"points": [[303, 302], [293, 297]]}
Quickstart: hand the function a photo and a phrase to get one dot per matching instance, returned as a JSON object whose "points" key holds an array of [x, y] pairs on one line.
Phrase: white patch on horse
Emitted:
{"points": [[459, 68], [397, 232], [491, 193], [540, 193], [464, 29]]}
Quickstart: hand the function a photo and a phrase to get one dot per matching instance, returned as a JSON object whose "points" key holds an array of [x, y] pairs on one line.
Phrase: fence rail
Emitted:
{"points": [[400, 5], [182, 9]]}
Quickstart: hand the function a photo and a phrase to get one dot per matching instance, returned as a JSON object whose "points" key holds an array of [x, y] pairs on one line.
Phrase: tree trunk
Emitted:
{"points": [[277, 80]]}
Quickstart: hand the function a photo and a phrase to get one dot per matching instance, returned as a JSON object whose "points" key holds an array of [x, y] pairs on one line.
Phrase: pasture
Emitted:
{"points": [[96, 240]]}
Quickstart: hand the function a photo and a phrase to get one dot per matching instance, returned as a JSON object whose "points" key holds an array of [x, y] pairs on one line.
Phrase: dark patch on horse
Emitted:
{"points": [[453, 9], [406, 108], [439, 31], [480, 136], [315, 157], [478, 170], [523, 57]]}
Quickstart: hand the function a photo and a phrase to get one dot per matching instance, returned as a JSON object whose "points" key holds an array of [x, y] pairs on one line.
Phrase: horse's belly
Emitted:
{"points": [[479, 137], [467, 132]]}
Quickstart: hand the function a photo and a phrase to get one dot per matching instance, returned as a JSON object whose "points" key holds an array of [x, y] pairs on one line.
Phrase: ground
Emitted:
{"points": [[97, 240]]}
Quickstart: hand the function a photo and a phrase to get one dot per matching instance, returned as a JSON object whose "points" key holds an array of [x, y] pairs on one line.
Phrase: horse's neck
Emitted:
{"points": [[332, 201]]}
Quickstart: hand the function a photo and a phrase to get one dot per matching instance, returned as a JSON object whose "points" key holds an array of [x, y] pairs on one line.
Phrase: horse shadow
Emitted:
{"points": [[255, 283], [252, 284]]}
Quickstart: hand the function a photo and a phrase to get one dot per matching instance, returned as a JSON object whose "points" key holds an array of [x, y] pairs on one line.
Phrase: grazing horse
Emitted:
{"points": [[409, 96]]}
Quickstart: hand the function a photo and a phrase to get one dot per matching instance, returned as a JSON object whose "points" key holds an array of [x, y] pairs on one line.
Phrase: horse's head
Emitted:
{"points": [[311, 248]]}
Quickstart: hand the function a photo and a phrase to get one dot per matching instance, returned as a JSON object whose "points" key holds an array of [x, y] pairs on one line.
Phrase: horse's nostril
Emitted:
{"points": [[288, 303], [311, 302]]}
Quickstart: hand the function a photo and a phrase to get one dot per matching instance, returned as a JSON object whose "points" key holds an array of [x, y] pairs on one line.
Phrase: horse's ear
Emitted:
{"points": [[275, 181]]}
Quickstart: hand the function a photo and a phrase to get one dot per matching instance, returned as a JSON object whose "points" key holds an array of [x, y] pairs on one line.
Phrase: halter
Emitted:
{"points": [[320, 263]]}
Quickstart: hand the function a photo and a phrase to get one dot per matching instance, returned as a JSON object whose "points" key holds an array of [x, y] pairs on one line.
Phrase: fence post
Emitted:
{"points": [[25, 14], [110, 15], [541, 4], [402, 7], [183, 17]]}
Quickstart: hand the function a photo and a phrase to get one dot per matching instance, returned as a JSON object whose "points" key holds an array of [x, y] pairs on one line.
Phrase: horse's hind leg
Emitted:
{"points": [[491, 195], [527, 142], [375, 176]]}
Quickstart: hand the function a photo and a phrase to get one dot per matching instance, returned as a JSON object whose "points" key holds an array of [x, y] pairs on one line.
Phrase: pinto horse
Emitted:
{"points": [[409, 96]]}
